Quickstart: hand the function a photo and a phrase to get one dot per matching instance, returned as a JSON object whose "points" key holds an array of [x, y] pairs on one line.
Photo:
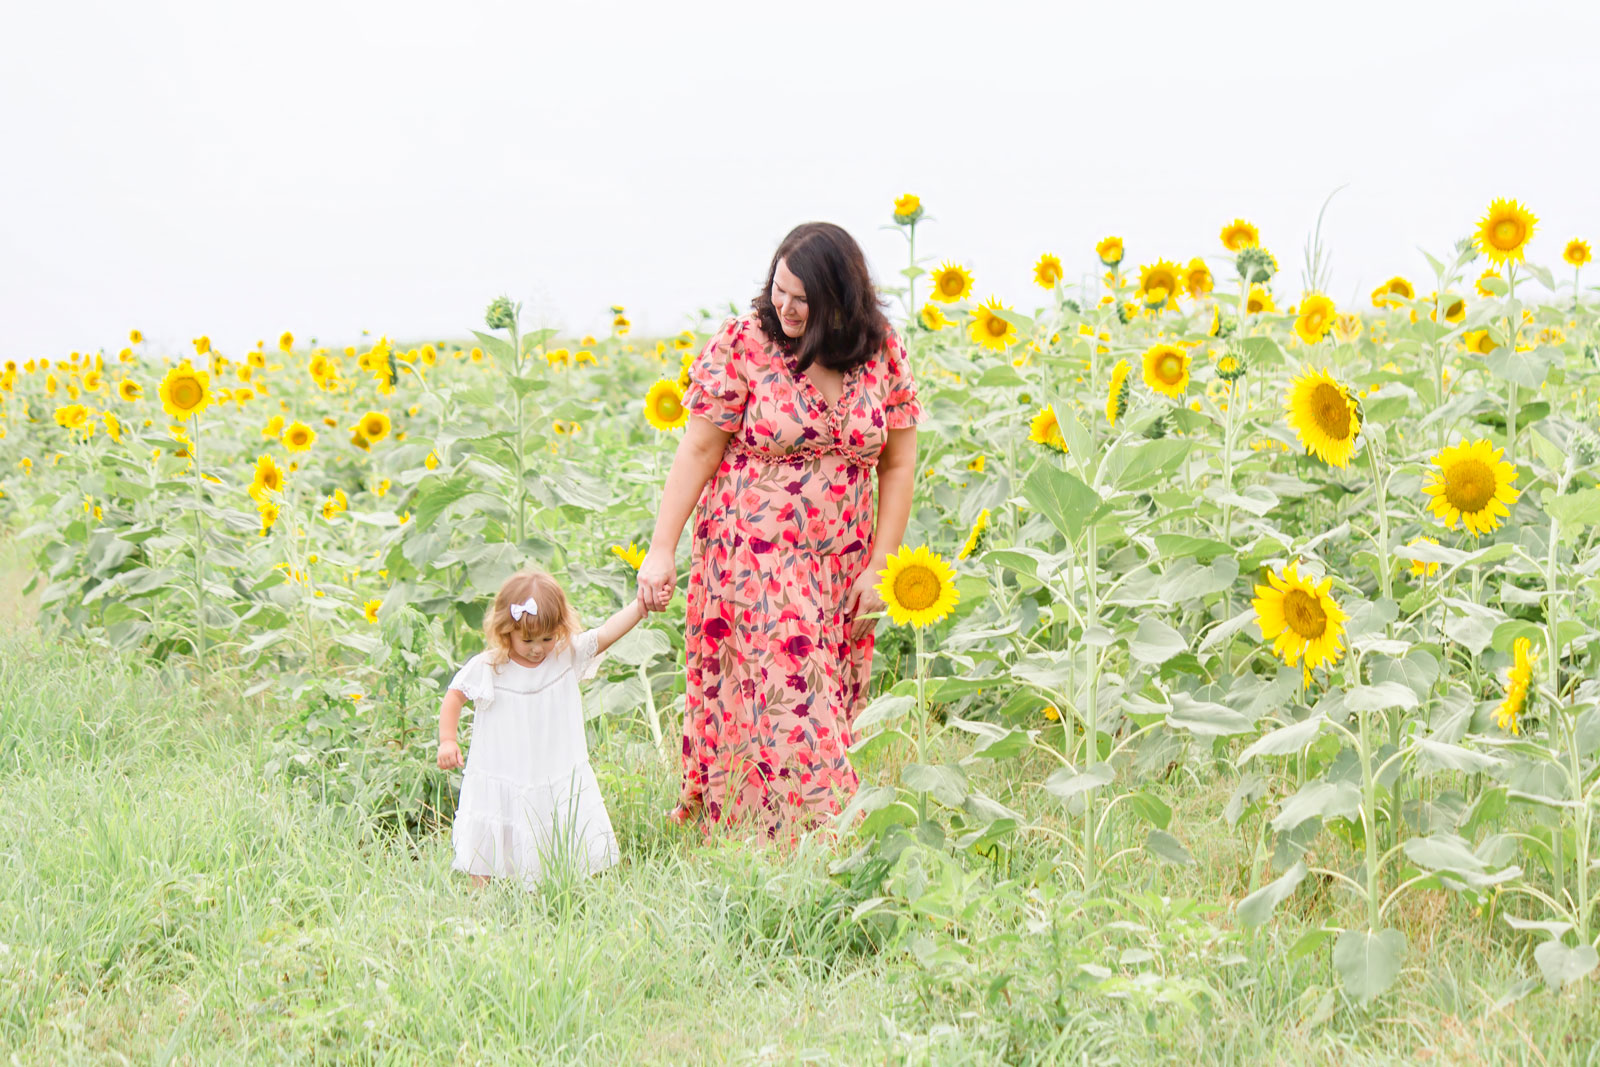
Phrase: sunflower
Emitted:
{"points": [[1505, 230], [951, 283], [1300, 618], [93, 381], [980, 528], [1197, 280], [1316, 316], [1117, 394], [1259, 300], [1110, 251], [1324, 416], [268, 479], [1455, 308], [1044, 430], [135, 337], [1162, 274], [129, 390], [1347, 327], [1418, 567], [269, 514], [907, 208], [1472, 486], [989, 329], [933, 318], [274, 427], [1484, 290], [299, 437], [72, 417], [1479, 342], [185, 391], [359, 439], [1518, 684], [976, 463], [1577, 253], [1166, 369], [918, 587], [663, 406], [633, 555], [113, 426], [374, 426], [1155, 299], [1047, 272], [1392, 292], [286, 342], [1239, 234]]}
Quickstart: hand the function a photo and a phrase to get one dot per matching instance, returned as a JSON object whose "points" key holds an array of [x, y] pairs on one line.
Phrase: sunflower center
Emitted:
{"points": [[667, 406], [1507, 233], [1469, 485], [1331, 411], [996, 326], [1316, 321], [1169, 368], [1304, 614], [916, 588], [186, 392], [950, 284]]}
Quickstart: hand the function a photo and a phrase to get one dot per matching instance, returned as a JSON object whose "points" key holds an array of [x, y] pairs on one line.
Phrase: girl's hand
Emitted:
{"points": [[863, 599], [658, 578], [449, 755]]}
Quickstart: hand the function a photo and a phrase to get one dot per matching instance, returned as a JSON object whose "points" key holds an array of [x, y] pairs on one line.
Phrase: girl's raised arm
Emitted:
{"points": [[620, 623]]}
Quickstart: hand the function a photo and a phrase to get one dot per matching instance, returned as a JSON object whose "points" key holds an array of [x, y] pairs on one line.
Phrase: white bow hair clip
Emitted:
{"points": [[527, 607]]}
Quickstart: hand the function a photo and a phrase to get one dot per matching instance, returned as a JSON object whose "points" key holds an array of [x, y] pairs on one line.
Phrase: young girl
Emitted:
{"points": [[529, 796]]}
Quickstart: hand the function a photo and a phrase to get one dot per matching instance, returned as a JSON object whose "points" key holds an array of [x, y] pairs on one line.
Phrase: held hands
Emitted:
{"points": [[658, 578], [449, 755], [863, 599]]}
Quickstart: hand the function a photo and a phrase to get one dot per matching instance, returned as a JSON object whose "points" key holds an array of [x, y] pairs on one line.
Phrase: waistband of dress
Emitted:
{"points": [[803, 454]]}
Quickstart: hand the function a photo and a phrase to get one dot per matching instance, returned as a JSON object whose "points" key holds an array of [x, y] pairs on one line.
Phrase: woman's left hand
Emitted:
{"points": [[863, 599]]}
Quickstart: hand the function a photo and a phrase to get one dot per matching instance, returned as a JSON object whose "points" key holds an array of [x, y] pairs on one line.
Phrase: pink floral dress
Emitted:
{"points": [[781, 532]]}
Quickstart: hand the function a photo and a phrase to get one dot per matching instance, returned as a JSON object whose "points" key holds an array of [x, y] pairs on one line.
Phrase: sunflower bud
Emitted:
{"points": [[501, 315], [1231, 366], [1256, 265], [1158, 428]]}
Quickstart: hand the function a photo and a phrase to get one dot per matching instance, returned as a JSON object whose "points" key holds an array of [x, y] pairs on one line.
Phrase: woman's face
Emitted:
{"points": [[789, 300]]}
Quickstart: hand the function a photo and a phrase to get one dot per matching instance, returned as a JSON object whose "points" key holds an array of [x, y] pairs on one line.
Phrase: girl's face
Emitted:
{"points": [[789, 300], [531, 653]]}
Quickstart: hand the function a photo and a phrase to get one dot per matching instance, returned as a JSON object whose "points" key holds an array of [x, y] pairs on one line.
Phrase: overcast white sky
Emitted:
{"points": [[328, 167]]}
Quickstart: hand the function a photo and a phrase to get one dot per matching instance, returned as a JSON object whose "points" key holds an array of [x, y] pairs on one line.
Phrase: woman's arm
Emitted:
{"points": [[695, 462], [897, 466]]}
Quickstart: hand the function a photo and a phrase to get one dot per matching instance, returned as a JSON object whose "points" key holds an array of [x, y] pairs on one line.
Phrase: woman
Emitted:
{"points": [[793, 407]]}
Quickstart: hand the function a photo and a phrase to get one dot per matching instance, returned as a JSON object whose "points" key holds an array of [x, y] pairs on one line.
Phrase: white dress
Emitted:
{"points": [[528, 795]]}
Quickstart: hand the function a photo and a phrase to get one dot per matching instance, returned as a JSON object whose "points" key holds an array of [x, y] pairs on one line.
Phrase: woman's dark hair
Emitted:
{"points": [[845, 324]]}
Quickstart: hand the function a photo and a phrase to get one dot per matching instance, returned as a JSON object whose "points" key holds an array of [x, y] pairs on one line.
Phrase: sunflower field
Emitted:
{"points": [[1195, 551]]}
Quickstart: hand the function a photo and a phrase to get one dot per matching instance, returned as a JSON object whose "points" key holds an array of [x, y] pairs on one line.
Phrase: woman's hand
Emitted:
{"points": [[658, 578], [449, 755], [863, 599]]}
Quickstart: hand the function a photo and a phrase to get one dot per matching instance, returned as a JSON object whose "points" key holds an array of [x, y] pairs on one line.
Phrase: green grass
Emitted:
{"points": [[163, 900]]}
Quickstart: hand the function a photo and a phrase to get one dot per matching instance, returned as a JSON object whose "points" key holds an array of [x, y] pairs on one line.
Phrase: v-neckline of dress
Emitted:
{"points": [[803, 380]]}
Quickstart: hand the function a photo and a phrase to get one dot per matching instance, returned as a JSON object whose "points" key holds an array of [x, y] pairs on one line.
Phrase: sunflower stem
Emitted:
{"points": [[1380, 489], [199, 548], [1369, 822]]}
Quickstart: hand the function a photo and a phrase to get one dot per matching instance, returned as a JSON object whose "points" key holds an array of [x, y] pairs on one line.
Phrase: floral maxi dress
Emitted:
{"points": [[781, 532]]}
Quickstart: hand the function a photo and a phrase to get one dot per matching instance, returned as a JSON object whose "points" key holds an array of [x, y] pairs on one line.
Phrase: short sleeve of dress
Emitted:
{"points": [[719, 378], [901, 408], [476, 680], [586, 654]]}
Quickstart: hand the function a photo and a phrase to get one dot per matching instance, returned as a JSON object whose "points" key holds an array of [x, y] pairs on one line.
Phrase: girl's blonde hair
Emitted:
{"points": [[555, 615]]}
